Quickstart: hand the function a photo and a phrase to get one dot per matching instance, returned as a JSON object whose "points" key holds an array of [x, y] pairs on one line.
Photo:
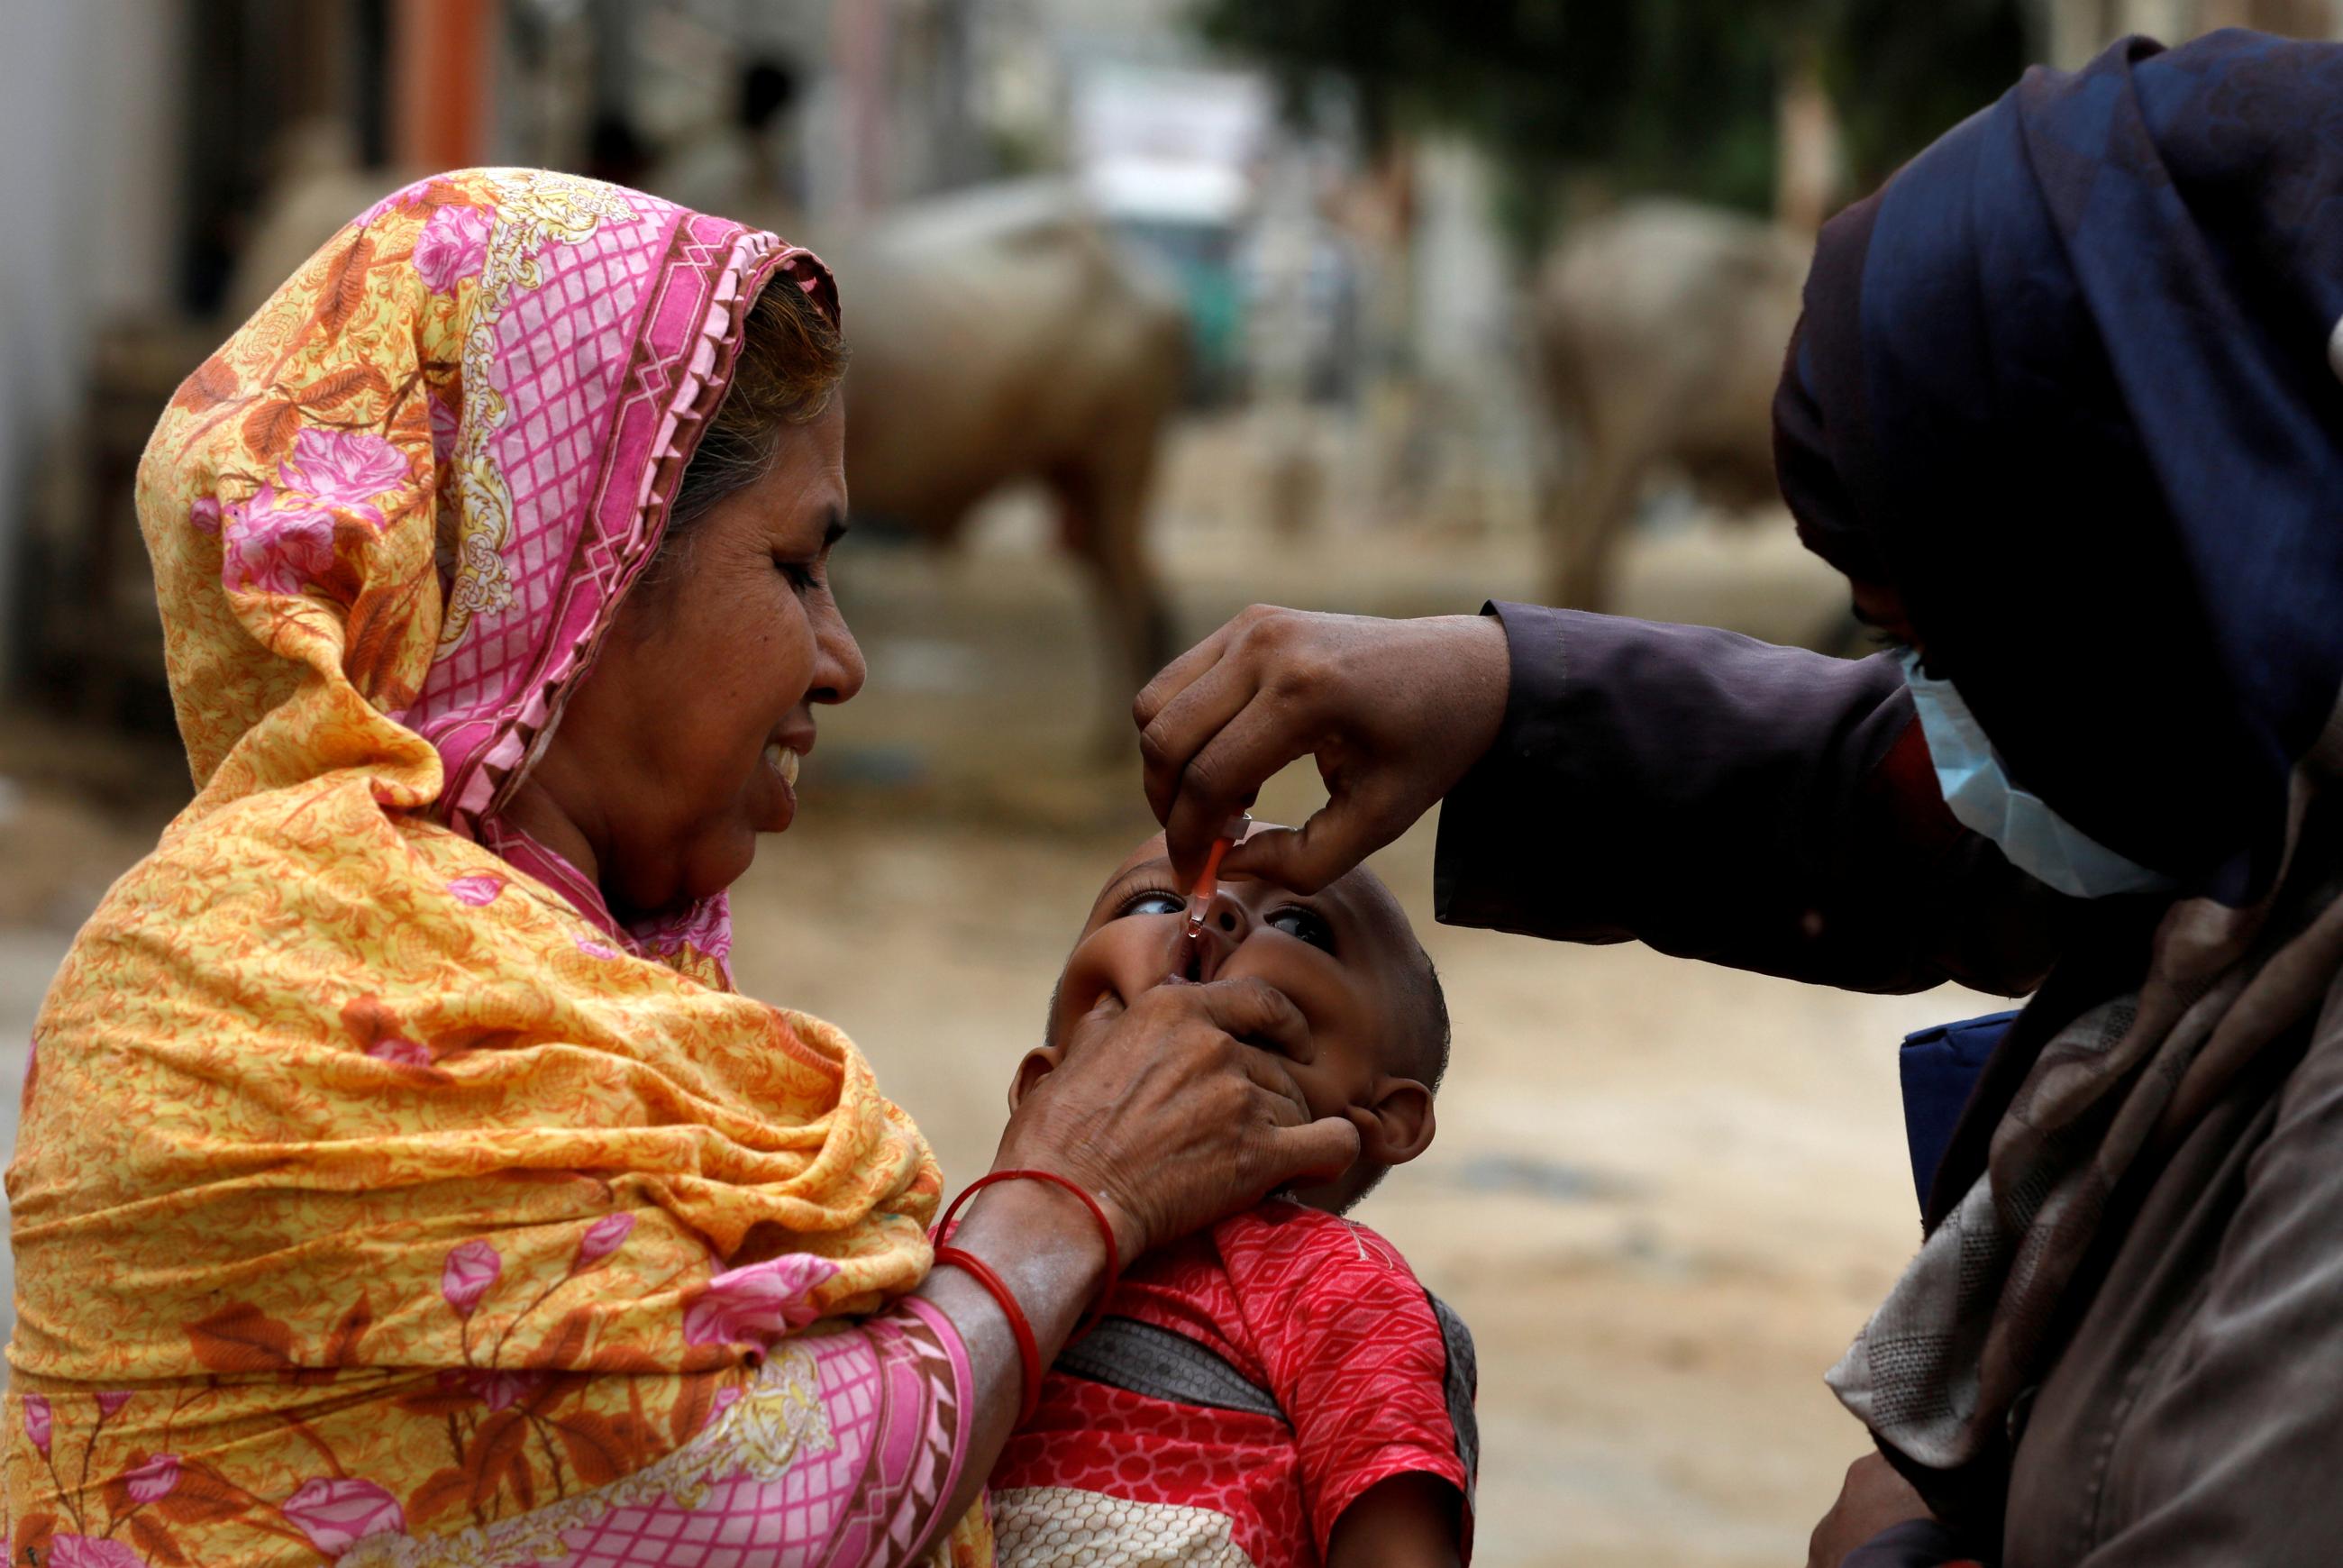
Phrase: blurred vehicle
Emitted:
{"points": [[1660, 333], [998, 336], [1196, 255], [1164, 154]]}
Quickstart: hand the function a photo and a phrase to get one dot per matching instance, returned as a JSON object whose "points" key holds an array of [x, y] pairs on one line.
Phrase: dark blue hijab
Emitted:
{"points": [[2071, 384]]}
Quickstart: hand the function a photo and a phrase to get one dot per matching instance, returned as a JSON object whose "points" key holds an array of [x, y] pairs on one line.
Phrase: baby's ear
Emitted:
{"points": [[1039, 1063], [1398, 1126]]}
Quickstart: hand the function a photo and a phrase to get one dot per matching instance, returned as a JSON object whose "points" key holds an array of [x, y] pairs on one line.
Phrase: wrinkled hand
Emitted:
{"points": [[1873, 1498], [1396, 712], [1164, 1111]]}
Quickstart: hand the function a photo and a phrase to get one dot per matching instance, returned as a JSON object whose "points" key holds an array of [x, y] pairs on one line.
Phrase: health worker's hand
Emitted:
{"points": [[1177, 1110], [1872, 1498], [1396, 712]]}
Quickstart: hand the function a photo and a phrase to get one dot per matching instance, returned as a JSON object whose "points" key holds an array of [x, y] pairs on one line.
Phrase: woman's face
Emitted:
{"points": [[683, 744]]}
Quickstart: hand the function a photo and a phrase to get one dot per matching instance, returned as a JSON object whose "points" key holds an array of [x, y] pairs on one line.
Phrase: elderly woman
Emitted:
{"points": [[401, 1180], [2065, 408]]}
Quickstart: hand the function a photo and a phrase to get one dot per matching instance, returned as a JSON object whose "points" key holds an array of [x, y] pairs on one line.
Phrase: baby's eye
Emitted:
{"points": [[1152, 902], [1304, 924]]}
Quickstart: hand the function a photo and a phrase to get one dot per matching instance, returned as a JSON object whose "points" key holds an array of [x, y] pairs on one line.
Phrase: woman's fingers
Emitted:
{"points": [[1182, 1106], [1255, 1012], [1319, 1150], [1295, 1146], [1249, 1011], [1284, 1102]]}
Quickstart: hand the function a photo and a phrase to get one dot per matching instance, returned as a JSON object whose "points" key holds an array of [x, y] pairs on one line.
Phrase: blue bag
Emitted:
{"points": [[1940, 1066]]}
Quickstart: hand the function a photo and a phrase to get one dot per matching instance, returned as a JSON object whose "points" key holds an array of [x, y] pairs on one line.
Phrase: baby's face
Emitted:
{"points": [[1346, 957]]}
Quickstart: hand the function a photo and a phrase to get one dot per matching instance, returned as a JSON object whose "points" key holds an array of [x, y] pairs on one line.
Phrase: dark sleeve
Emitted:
{"points": [[1723, 799], [1914, 1543]]}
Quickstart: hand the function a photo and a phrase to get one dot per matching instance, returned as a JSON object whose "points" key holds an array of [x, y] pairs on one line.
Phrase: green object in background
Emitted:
{"points": [[1216, 322], [1676, 95], [1198, 261]]}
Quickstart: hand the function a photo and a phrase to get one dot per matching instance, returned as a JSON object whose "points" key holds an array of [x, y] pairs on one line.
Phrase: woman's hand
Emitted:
{"points": [[1178, 1111], [1163, 1112], [1396, 712]]}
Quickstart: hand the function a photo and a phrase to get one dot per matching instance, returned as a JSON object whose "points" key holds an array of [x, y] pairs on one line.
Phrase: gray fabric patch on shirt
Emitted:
{"points": [[1463, 1382], [1140, 1358]]}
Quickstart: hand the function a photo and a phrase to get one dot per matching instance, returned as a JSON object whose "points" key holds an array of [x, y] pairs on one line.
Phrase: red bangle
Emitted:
{"points": [[1028, 1352], [1098, 1213]]}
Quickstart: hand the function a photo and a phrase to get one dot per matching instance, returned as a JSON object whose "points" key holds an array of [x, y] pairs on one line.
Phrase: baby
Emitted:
{"points": [[1279, 1390]]}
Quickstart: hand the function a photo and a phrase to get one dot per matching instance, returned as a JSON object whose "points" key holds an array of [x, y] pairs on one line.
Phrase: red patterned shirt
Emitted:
{"points": [[1248, 1386]]}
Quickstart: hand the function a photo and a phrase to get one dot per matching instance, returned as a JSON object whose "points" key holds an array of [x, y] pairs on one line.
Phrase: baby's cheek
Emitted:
{"points": [[1322, 1090], [1081, 984], [1129, 956]]}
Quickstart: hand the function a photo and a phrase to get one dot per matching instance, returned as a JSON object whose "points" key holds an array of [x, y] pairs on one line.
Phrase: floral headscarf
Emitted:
{"points": [[524, 359]]}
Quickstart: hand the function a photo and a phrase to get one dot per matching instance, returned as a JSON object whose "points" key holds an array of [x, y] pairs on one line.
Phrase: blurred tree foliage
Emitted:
{"points": [[1647, 95]]}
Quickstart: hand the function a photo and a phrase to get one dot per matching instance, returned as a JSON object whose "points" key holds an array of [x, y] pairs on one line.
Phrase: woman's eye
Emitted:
{"points": [[802, 575], [1302, 924], [1152, 902]]}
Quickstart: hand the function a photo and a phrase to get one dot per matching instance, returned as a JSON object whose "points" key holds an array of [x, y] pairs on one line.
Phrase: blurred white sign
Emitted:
{"points": [[1154, 142]]}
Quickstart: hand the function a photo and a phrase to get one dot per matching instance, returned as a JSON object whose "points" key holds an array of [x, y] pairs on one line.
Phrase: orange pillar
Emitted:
{"points": [[444, 54]]}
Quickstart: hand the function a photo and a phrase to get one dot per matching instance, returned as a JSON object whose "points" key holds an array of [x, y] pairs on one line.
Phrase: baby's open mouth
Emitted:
{"points": [[1187, 958]]}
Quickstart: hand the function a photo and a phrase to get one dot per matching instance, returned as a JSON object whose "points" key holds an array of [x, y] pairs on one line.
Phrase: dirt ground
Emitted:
{"points": [[1663, 1195]]}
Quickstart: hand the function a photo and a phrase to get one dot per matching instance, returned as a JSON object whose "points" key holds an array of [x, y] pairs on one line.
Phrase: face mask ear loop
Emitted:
{"points": [[1981, 796]]}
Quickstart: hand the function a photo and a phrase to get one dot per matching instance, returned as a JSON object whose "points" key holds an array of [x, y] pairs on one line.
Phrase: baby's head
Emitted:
{"points": [[1347, 958]]}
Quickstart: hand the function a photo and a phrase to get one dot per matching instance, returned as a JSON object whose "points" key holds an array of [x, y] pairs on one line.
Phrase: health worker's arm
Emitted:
{"points": [[1723, 799]]}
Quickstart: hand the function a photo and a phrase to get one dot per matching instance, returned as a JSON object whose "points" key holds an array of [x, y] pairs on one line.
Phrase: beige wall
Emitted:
{"points": [[88, 169], [2081, 28]]}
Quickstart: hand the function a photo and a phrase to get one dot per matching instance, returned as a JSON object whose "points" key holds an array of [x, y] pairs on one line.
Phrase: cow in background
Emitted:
{"points": [[1660, 330], [998, 336]]}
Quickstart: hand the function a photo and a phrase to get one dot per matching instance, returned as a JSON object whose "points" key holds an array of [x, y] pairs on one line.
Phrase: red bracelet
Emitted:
{"points": [[1098, 1213], [1028, 1352]]}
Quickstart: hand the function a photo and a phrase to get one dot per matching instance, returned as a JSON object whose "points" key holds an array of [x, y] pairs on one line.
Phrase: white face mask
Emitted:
{"points": [[2037, 841]]}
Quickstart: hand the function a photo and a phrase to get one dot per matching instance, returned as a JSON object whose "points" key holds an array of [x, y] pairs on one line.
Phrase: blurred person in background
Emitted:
{"points": [[747, 162], [2064, 406], [401, 1178]]}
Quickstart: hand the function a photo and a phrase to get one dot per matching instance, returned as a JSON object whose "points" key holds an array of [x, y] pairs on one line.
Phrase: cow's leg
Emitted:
{"points": [[1102, 497], [1588, 515]]}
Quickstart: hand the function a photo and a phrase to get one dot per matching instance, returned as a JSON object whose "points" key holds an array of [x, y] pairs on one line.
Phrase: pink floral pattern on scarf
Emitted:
{"points": [[276, 543], [346, 469], [453, 245], [759, 1303]]}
